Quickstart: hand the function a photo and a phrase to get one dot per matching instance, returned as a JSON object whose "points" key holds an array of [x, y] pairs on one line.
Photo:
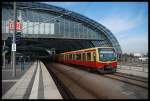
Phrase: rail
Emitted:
{"points": [[85, 85], [128, 79]]}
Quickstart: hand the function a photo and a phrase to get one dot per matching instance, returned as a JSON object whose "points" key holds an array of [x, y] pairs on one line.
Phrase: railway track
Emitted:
{"points": [[75, 83], [142, 79], [71, 89], [126, 78], [133, 80]]}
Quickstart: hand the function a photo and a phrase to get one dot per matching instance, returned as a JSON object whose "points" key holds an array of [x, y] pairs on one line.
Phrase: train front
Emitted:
{"points": [[107, 60]]}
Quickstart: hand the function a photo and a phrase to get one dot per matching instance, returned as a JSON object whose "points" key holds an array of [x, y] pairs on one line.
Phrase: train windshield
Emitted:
{"points": [[107, 54]]}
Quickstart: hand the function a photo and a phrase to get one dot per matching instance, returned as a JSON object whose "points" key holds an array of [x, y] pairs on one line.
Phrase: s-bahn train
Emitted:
{"points": [[101, 59]]}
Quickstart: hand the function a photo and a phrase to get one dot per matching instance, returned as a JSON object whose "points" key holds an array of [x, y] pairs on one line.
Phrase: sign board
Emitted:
{"points": [[13, 47], [18, 25]]}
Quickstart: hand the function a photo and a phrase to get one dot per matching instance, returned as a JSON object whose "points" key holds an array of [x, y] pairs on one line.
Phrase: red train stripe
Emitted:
{"points": [[91, 64]]}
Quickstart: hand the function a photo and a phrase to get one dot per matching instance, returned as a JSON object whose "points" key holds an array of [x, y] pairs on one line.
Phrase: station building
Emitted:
{"points": [[59, 28]]}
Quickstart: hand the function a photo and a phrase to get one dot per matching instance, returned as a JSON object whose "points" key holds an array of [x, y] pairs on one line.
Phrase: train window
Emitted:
{"points": [[70, 56], [74, 56], [63, 57], [67, 56], [83, 56], [88, 56], [78, 56], [94, 56]]}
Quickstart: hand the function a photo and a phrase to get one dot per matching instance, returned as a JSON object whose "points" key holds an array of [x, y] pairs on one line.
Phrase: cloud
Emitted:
{"points": [[134, 44], [123, 27], [121, 23]]}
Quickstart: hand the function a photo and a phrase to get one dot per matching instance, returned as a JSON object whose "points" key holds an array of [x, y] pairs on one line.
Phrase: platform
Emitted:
{"points": [[36, 83]]}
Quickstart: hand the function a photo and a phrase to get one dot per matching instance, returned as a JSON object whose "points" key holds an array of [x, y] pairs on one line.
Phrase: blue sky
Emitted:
{"points": [[128, 21]]}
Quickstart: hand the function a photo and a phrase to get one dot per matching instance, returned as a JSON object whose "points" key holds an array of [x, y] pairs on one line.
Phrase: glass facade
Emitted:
{"points": [[53, 23], [46, 23]]}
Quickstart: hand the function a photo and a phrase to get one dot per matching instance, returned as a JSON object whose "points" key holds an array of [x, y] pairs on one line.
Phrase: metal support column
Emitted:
{"points": [[4, 63], [14, 43]]}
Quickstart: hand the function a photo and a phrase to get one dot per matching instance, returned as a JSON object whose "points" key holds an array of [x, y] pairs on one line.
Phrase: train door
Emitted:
{"points": [[89, 56], [94, 56]]}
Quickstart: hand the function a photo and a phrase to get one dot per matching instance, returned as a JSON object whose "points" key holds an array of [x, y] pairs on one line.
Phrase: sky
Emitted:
{"points": [[128, 21]]}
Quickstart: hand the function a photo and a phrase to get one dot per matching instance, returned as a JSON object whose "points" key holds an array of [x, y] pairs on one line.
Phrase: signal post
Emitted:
{"points": [[14, 25]]}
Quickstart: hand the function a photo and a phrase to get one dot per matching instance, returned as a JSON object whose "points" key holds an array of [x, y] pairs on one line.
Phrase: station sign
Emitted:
{"points": [[18, 26]]}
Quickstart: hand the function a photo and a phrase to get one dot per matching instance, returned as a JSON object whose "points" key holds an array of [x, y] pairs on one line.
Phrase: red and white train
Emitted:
{"points": [[102, 59]]}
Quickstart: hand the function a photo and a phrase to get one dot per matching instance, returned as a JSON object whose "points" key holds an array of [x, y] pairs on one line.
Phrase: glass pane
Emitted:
{"points": [[24, 30], [30, 28], [7, 27], [47, 28], [107, 54], [89, 56], [52, 28], [41, 28], [36, 28]]}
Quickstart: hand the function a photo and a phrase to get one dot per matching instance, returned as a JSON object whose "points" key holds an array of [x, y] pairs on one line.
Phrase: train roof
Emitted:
{"points": [[85, 49]]}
